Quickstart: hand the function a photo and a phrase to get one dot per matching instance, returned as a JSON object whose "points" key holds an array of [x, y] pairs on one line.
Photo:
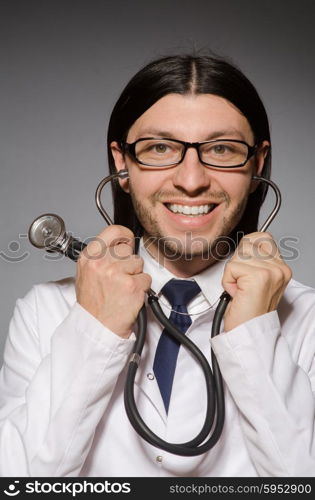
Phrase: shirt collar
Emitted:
{"points": [[209, 279]]}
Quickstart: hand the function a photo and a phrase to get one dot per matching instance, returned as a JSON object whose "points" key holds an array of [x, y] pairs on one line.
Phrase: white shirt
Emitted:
{"points": [[61, 389]]}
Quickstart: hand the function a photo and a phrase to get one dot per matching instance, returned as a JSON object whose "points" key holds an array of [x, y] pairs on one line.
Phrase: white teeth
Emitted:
{"points": [[187, 210]]}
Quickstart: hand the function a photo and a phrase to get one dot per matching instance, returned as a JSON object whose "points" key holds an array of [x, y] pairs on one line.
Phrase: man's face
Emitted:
{"points": [[191, 118]]}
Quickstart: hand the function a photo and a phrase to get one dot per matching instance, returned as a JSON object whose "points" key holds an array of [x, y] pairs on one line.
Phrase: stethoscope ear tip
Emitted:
{"points": [[123, 174]]}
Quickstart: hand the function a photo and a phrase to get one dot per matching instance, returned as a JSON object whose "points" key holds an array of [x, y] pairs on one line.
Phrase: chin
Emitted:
{"points": [[187, 248]]}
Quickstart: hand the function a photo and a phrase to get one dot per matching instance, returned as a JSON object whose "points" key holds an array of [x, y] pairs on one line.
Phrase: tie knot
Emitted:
{"points": [[180, 292]]}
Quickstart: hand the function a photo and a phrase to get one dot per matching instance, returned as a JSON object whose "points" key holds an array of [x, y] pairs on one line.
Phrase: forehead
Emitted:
{"points": [[191, 117]]}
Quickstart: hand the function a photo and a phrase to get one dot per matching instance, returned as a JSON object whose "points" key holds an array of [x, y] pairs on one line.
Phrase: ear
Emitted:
{"points": [[260, 157], [120, 163]]}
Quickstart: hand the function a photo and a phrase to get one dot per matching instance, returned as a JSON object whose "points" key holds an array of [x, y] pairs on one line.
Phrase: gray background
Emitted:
{"points": [[63, 65]]}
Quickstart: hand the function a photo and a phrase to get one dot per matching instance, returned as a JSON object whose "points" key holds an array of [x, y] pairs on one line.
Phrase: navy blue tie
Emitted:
{"points": [[179, 293]]}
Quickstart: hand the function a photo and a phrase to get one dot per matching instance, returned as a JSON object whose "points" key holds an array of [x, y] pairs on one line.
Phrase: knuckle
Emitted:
{"points": [[246, 239], [278, 273], [287, 273], [263, 274], [251, 237], [111, 271], [266, 245], [115, 233], [263, 240], [120, 250], [83, 257], [242, 243], [124, 231], [268, 235], [81, 261], [139, 260], [258, 238], [147, 280], [94, 264], [229, 265], [281, 275], [95, 249], [130, 285], [137, 264]]}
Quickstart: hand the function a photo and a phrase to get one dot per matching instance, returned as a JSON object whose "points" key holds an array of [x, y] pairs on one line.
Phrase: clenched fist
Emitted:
{"points": [[255, 277], [110, 283]]}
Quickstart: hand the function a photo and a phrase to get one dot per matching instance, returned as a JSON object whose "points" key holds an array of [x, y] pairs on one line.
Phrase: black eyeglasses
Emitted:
{"points": [[156, 153]]}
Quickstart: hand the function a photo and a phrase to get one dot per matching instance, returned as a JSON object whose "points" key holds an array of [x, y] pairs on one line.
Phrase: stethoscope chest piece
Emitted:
{"points": [[47, 231]]}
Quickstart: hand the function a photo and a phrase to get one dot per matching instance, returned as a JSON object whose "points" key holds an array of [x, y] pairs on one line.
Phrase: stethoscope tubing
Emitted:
{"points": [[62, 242]]}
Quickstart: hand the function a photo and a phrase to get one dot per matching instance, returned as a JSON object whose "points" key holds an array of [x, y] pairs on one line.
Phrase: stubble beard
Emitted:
{"points": [[191, 247]]}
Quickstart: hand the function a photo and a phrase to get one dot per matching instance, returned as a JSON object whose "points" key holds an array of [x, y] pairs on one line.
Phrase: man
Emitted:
{"points": [[192, 132]]}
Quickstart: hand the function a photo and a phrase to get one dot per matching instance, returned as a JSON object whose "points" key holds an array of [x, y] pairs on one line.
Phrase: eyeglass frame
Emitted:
{"points": [[130, 148]]}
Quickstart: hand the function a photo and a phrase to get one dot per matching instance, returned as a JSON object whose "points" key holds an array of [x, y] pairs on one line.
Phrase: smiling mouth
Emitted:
{"points": [[191, 211]]}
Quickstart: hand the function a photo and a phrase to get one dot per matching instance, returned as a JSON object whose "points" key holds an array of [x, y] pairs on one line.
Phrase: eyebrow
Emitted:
{"points": [[228, 133]]}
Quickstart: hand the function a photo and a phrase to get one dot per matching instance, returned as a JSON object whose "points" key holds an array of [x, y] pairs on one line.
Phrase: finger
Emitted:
{"points": [[233, 271], [277, 268], [121, 251], [115, 234], [132, 284], [132, 266], [238, 277], [259, 245], [241, 276], [111, 237], [144, 281]]}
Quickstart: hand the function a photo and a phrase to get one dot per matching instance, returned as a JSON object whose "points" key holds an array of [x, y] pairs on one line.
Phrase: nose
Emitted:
{"points": [[191, 175]]}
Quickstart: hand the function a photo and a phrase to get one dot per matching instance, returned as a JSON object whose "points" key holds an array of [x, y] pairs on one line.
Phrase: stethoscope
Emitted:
{"points": [[48, 232]]}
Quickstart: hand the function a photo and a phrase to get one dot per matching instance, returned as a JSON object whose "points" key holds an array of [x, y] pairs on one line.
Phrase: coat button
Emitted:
{"points": [[159, 459], [150, 376]]}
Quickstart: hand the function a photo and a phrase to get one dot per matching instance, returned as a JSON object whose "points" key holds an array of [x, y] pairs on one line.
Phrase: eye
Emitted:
{"points": [[220, 149], [160, 147], [216, 149]]}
